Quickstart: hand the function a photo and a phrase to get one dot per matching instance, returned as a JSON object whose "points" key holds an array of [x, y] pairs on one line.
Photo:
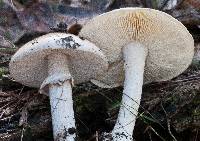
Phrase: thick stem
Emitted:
{"points": [[61, 100], [134, 57]]}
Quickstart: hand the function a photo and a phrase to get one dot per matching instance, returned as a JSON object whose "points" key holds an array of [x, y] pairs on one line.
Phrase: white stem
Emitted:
{"points": [[134, 57], [61, 100]]}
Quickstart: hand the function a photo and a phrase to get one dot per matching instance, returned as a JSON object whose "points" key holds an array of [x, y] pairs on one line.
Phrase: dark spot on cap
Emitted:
{"points": [[72, 130], [66, 42]]}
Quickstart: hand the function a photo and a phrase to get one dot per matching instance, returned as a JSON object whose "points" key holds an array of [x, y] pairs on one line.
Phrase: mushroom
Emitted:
{"points": [[52, 63], [138, 42]]}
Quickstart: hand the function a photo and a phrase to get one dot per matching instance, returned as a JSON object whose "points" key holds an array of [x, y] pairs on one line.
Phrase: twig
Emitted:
{"points": [[144, 110], [156, 133], [196, 136], [150, 137], [3, 119], [149, 127], [21, 90], [3, 94], [168, 123], [6, 105], [164, 3], [2, 113], [24, 116], [97, 136], [87, 128], [13, 46], [147, 112], [109, 4], [22, 135], [10, 3], [125, 106]]}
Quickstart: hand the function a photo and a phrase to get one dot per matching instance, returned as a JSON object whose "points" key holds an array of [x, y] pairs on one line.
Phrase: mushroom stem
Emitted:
{"points": [[60, 93], [134, 55]]}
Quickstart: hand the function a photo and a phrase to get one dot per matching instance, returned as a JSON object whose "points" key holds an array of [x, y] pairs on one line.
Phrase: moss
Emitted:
{"points": [[195, 64], [8, 50], [196, 112], [155, 4], [3, 71], [195, 106], [196, 101], [7, 35], [172, 99]]}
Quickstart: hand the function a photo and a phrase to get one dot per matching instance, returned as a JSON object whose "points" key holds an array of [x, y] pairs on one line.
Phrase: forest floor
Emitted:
{"points": [[169, 110]]}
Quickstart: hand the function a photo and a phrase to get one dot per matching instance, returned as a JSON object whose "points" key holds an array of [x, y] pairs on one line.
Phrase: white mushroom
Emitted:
{"points": [[147, 43], [53, 62]]}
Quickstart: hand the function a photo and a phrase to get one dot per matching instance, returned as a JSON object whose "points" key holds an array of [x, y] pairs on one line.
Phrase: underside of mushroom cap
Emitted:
{"points": [[29, 65], [113, 77], [170, 45]]}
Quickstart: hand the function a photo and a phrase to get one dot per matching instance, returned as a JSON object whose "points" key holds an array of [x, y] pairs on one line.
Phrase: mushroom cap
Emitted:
{"points": [[29, 64], [170, 45], [113, 77]]}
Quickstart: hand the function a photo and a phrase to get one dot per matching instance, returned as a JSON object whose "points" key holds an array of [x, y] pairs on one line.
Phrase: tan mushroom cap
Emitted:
{"points": [[170, 45], [29, 64]]}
